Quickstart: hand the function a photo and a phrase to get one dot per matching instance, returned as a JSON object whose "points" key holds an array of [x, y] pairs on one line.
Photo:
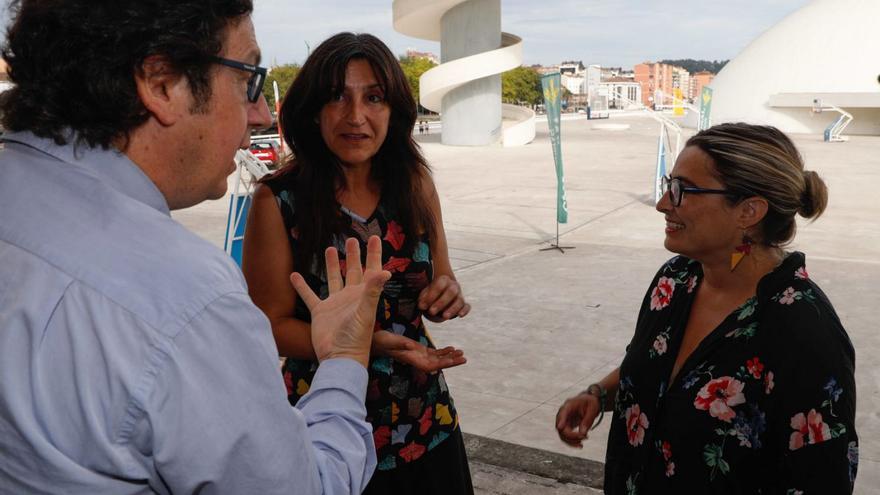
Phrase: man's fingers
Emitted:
{"points": [[374, 253], [464, 310], [305, 292], [375, 281], [354, 272], [334, 275]]}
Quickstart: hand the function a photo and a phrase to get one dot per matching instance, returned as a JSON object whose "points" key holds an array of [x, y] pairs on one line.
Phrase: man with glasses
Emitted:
{"points": [[131, 357]]}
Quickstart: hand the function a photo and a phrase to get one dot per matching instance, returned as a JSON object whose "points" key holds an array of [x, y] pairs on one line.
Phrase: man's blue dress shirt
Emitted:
{"points": [[132, 359]]}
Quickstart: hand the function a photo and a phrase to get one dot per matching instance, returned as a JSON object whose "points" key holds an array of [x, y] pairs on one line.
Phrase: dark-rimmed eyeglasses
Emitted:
{"points": [[676, 190], [255, 82]]}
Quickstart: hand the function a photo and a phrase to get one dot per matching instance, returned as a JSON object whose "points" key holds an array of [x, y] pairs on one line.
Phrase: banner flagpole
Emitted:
{"points": [[551, 86]]}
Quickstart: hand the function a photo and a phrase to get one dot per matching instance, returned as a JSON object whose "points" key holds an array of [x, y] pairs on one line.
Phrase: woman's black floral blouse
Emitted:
{"points": [[765, 404], [411, 411]]}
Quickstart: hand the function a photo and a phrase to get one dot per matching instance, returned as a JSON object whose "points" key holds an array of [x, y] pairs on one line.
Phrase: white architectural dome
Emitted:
{"points": [[828, 50]]}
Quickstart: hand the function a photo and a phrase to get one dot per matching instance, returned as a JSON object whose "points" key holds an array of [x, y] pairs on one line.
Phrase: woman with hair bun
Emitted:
{"points": [[740, 376]]}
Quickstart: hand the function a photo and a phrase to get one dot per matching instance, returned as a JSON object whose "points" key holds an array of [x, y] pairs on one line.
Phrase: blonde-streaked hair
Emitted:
{"points": [[762, 161]]}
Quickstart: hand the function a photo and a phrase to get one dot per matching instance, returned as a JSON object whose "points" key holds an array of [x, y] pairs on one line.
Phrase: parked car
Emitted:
{"points": [[266, 152]]}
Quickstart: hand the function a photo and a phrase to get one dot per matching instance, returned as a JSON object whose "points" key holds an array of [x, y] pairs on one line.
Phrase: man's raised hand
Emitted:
{"points": [[342, 324]]}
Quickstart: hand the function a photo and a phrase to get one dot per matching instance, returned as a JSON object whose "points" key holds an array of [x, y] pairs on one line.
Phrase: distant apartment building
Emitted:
{"points": [[574, 79], [698, 81], [603, 88], [594, 76], [658, 82], [572, 68]]}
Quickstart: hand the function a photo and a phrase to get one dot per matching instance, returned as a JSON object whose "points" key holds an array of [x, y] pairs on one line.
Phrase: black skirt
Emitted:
{"points": [[443, 471]]}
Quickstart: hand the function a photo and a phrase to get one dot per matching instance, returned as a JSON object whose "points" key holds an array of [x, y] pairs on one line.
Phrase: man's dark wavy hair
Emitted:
{"points": [[72, 62]]}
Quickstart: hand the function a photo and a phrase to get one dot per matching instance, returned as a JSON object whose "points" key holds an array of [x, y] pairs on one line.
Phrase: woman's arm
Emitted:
{"points": [[812, 385], [267, 263], [442, 299]]}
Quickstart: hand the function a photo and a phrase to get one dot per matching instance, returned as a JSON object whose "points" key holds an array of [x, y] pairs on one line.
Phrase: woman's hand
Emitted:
{"points": [[409, 351], [575, 418], [442, 300]]}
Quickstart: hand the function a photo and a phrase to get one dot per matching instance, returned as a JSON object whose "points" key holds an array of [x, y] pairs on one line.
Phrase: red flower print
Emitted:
{"points": [[755, 367], [801, 273], [768, 382], [288, 382], [397, 264], [425, 420], [667, 450], [412, 452], [662, 294], [692, 283], [636, 424], [381, 436], [394, 235], [719, 396], [809, 429]]}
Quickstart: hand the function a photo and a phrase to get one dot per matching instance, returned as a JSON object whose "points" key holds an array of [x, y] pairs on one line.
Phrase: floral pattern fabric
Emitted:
{"points": [[411, 411], [764, 404]]}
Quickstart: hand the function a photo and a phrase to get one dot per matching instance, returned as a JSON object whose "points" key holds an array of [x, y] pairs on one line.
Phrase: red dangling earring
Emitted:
{"points": [[741, 251]]}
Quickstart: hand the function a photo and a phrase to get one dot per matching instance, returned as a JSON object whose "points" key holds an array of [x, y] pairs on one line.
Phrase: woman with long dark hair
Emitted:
{"points": [[355, 171]]}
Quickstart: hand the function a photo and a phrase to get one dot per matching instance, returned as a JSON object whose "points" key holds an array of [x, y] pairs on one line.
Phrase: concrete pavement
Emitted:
{"points": [[546, 324]]}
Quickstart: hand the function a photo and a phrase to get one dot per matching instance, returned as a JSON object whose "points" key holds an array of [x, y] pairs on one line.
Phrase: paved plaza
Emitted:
{"points": [[546, 324]]}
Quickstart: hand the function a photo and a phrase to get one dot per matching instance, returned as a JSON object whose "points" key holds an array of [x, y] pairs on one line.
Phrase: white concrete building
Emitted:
{"points": [[594, 78], [577, 85], [828, 50], [622, 93]]}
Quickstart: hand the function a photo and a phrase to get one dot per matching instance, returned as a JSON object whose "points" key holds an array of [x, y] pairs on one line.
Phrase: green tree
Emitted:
{"points": [[413, 68], [694, 66], [284, 74], [521, 85]]}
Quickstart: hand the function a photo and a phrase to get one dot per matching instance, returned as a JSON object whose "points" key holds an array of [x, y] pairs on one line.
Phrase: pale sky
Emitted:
{"points": [[605, 32]]}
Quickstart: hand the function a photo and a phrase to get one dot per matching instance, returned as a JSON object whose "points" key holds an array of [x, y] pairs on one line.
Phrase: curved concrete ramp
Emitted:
{"points": [[425, 20]]}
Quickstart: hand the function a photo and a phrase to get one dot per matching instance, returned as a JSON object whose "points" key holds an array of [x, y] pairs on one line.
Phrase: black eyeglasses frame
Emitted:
{"points": [[255, 82], [666, 185]]}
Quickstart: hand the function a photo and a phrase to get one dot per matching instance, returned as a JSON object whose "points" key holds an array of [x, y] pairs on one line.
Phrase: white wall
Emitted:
{"points": [[829, 46]]}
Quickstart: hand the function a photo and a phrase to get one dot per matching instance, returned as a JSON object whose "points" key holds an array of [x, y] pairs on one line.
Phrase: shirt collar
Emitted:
{"points": [[110, 166]]}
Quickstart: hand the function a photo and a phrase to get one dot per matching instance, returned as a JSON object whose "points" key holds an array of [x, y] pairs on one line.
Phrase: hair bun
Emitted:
{"points": [[814, 197]]}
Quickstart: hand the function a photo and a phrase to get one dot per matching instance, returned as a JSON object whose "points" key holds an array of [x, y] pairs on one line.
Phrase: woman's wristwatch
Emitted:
{"points": [[600, 393]]}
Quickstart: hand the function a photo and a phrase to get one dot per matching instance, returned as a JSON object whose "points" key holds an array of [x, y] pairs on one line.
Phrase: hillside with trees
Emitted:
{"points": [[693, 66]]}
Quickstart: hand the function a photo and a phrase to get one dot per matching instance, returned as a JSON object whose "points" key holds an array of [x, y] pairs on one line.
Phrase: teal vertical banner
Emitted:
{"points": [[661, 165], [551, 85], [705, 109]]}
